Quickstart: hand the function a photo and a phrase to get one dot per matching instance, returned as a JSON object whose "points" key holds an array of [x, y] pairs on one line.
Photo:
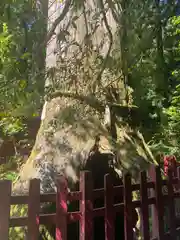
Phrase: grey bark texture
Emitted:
{"points": [[69, 125]]}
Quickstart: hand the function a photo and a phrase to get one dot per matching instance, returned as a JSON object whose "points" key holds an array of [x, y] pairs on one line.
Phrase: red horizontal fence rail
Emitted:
{"points": [[86, 196]]}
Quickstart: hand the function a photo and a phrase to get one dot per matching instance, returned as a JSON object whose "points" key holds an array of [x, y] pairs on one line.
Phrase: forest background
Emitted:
{"points": [[141, 83]]}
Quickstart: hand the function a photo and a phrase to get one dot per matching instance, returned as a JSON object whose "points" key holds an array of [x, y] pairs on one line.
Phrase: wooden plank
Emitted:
{"points": [[5, 201], [48, 197], [151, 194], [33, 210], [109, 210], [15, 200], [48, 219], [86, 206], [98, 212], [135, 187], [61, 209], [128, 225], [137, 203], [51, 197], [178, 173], [18, 222], [159, 206], [98, 193], [178, 177], [171, 206], [177, 195], [119, 207], [144, 206]]}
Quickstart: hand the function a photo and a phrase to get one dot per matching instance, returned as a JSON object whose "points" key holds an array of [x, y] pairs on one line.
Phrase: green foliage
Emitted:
{"points": [[168, 140], [22, 59], [9, 170], [11, 126], [21, 29], [9, 175]]}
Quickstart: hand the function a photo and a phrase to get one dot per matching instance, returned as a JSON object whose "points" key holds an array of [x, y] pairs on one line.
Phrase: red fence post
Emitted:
{"points": [[128, 226], [33, 210], [144, 206], [109, 210], [5, 203], [177, 200], [171, 205], [151, 176], [159, 206], [86, 206], [61, 209], [178, 177]]}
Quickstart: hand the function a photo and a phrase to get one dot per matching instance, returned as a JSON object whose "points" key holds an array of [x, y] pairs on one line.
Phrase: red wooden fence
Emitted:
{"points": [[86, 195]]}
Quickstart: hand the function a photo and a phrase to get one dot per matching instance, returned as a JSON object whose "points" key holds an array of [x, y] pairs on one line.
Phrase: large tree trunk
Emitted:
{"points": [[68, 130], [56, 150], [61, 147], [71, 121]]}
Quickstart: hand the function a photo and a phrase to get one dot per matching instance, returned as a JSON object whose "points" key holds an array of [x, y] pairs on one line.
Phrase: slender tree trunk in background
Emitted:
{"points": [[124, 45], [41, 52], [160, 61]]}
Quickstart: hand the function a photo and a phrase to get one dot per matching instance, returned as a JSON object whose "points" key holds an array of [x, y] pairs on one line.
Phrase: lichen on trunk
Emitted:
{"points": [[81, 83]]}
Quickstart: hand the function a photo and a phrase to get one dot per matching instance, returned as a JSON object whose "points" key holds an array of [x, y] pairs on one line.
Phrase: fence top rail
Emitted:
{"points": [[77, 195]]}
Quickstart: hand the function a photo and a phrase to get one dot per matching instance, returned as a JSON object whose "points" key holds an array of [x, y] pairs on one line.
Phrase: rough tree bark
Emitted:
{"points": [[58, 148], [63, 142]]}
